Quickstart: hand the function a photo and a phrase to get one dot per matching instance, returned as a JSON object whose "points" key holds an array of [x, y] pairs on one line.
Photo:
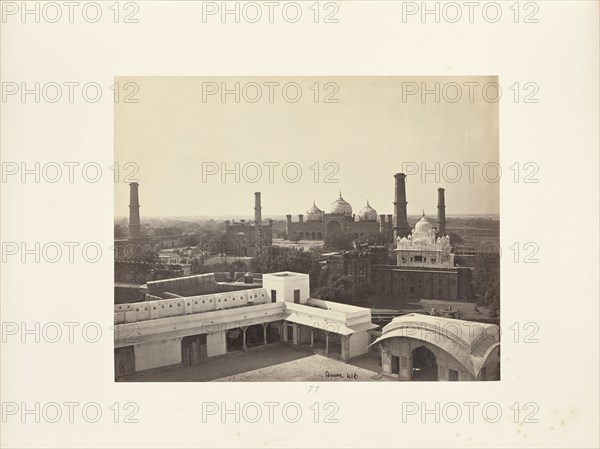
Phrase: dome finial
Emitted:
{"points": [[423, 213], [340, 193]]}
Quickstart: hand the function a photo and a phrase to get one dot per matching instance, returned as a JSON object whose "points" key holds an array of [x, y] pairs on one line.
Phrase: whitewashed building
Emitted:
{"points": [[421, 248], [431, 348], [189, 330]]}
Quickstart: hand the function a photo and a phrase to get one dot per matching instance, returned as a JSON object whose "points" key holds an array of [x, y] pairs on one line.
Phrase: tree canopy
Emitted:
{"points": [[282, 259], [148, 256], [339, 241], [486, 280]]}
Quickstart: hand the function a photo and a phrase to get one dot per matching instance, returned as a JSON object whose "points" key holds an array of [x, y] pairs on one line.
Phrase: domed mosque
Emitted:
{"points": [[318, 224]]}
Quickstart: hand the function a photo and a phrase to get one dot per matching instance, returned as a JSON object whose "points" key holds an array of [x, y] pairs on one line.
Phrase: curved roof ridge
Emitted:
{"points": [[447, 334], [432, 327]]}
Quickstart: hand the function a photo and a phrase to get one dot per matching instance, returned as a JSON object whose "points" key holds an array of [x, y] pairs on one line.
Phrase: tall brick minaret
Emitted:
{"points": [[134, 212], [258, 221], [401, 226], [257, 209], [441, 212]]}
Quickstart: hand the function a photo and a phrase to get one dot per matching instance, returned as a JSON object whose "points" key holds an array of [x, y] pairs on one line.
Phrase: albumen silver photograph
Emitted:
{"points": [[363, 244]]}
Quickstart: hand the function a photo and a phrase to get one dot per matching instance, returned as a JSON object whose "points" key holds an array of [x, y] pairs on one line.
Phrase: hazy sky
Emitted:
{"points": [[177, 127]]}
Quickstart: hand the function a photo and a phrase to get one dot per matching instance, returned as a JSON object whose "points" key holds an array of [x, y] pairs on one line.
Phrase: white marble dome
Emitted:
{"points": [[423, 226], [340, 207], [367, 213], [314, 213]]}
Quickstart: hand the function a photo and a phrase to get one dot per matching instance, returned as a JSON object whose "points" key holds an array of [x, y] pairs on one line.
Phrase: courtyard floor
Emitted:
{"points": [[273, 363]]}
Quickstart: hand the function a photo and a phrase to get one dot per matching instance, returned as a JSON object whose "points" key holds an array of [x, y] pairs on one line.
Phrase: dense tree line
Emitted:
{"points": [[121, 231], [284, 259], [486, 280], [338, 241], [325, 282], [338, 287], [148, 256]]}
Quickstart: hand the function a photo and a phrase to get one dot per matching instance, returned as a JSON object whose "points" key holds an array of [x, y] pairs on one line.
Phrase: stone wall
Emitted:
{"points": [[185, 286], [165, 308], [316, 230], [418, 283]]}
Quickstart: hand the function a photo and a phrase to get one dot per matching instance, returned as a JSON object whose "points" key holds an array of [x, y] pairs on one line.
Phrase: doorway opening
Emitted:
{"points": [[193, 350], [424, 365]]}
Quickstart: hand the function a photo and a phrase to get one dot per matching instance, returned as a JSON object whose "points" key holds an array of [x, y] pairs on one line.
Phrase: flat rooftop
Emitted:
{"points": [[273, 363], [335, 306], [283, 274]]}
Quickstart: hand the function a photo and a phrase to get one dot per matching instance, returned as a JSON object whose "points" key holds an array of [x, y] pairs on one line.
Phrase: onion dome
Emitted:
{"points": [[340, 207], [367, 213], [314, 213]]}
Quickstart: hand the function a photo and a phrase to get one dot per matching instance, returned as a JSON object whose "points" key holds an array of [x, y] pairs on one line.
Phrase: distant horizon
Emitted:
{"points": [[282, 216]]}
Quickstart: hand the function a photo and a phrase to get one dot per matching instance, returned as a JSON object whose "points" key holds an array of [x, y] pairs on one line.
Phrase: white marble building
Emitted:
{"points": [[421, 248]]}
